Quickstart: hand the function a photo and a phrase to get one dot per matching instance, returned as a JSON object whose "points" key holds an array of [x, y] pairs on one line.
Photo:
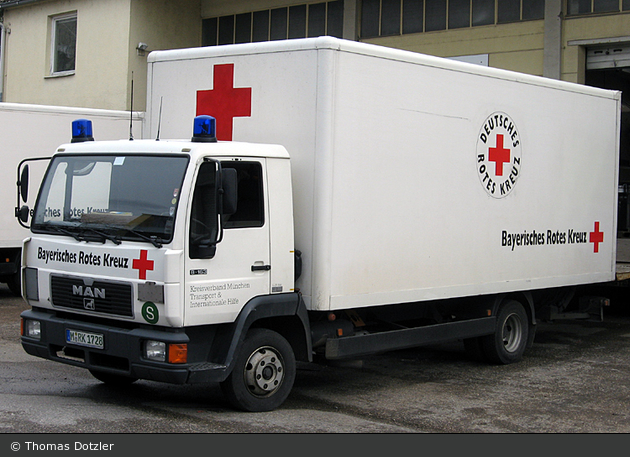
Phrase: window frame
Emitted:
{"points": [[277, 23], [256, 194], [54, 22], [573, 9], [424, 16]]}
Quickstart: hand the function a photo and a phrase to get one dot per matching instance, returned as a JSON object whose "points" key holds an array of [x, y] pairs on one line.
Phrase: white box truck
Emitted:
{"points": [[25, 130], [336, 199]]}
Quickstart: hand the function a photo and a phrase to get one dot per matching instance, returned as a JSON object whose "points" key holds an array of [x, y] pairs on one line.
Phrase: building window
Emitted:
{"points": [[483, 12], [396, 17], [435, 15], [458, 14], [390, 17], [575, 7], [243, 28], [279, 21], [316, 20], [413, 17], [520, 10], [370, 18], [63, 44], [298, 21]]}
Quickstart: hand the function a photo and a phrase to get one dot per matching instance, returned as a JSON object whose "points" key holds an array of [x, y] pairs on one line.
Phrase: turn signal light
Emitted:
{"points": [[177, 353]]}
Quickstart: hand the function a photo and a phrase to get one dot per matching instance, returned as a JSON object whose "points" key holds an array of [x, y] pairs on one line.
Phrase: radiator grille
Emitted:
{"points": [[100, 296]]}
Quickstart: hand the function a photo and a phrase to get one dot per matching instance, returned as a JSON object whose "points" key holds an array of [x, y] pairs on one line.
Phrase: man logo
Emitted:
{"points": [[89, 294], [87, 291]]}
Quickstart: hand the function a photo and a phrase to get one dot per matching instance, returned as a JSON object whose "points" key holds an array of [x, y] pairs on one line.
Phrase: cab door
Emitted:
{"points": [[219, 282]]}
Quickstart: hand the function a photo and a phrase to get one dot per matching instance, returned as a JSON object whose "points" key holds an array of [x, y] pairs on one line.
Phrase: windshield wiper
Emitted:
{"points": [[154, 240], [114, 239], [75, 235], [80, 235]]}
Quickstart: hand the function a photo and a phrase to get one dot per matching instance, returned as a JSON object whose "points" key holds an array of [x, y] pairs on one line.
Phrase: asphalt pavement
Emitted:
{"points": [[575, 380]]}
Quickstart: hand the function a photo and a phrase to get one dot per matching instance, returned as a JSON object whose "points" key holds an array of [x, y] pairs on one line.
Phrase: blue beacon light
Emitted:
{"points": [[82, 131], [204, 129]]}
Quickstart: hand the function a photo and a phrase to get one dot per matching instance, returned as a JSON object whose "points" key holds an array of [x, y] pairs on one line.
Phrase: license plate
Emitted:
{"points": [[92, 340]]}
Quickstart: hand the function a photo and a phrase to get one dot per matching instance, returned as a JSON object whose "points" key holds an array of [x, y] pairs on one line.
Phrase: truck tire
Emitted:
{"points": [[263, 373], [509, 341], [113, 379], [15, 280], [473, 348], [15, 285]]}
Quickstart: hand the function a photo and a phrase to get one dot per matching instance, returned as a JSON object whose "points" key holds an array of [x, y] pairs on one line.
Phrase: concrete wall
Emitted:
{"points": [[517, 46], [161, 24], [108, 32], [101, 54]]}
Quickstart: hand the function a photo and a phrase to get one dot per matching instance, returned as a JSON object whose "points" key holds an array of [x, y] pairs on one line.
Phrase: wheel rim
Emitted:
{"points": [[264, 371], [512, 333]]}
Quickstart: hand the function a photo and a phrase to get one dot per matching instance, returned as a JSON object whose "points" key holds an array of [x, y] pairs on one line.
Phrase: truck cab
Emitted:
{"points": [[151, 259]]}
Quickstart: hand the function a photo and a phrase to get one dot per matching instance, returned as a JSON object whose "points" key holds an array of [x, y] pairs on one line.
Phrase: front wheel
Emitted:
{"points": [[263, 373], [508, 343]]}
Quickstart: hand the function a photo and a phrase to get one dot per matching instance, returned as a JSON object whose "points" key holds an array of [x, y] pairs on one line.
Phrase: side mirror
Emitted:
{"points": [[22, 213], [203, 251], [23, 184], [229, 198]]}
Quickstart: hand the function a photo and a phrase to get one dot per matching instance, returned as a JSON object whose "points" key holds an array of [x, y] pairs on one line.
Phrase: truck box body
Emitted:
{"points": [[30, 130], [414, 178]]}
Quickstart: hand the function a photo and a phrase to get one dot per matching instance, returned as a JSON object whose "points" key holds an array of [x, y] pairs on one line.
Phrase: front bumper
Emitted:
{"points": [[122, 350]]}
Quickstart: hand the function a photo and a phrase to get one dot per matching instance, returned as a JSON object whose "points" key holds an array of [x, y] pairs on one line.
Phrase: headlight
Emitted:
{"points": [[159, 351], [155, 350], [32, 329]]}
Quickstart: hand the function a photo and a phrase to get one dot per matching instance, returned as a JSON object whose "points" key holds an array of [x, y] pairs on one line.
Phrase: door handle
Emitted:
{"points": [[261, 267]]}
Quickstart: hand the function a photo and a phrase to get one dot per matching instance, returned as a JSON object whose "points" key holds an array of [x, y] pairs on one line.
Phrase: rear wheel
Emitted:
{"points": [[263, 373], [508, 343]]}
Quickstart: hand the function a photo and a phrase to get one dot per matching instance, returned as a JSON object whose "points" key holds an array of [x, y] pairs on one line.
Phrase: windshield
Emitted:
{"points": [[111, 196]]}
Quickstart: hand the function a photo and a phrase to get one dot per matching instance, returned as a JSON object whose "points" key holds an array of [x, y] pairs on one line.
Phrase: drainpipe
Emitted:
{"points": [[552, 52], [2, 40]]}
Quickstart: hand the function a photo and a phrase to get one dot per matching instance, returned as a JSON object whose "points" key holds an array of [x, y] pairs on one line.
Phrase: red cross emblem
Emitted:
{"points": [[142, 264], [224, 102], [499, 155], [596, 237]]}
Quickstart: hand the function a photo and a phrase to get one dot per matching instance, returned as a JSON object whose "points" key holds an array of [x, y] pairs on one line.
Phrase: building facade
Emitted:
{"points": [[83, 52], [86, 53]]}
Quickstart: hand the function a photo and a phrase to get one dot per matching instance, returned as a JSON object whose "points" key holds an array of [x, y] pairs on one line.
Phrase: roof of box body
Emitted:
{"points": [[337, 44]]}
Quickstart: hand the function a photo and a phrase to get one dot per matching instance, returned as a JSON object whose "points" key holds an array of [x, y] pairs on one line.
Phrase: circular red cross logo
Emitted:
{"points": [[498, 155]]}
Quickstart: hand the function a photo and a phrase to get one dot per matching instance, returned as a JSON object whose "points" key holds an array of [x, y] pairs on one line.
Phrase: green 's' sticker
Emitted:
{"points": [[150, 313]]}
